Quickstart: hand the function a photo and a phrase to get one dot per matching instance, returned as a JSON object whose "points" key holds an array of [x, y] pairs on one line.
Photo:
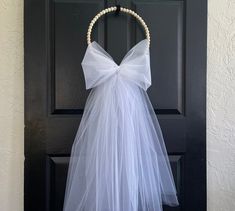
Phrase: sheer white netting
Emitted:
{"points": [[118, 160]]}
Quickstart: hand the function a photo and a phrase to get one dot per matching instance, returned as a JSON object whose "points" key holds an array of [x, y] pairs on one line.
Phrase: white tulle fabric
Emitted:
{"points": [[118, 161]]}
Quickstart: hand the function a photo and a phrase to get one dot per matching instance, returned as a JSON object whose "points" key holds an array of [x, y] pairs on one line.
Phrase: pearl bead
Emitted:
{"points": [[125, 10]]}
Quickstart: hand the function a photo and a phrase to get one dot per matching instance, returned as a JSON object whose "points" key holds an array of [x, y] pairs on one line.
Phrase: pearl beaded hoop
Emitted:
{"points": [[113, 9]]}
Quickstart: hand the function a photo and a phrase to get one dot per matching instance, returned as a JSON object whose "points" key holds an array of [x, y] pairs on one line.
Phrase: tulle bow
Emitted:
{"points": [[99, 66]]}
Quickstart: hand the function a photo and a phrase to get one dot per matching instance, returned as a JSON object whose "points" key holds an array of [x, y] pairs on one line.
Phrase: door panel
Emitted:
{"points": [[57, 167], [55, 43], [166, 22]]}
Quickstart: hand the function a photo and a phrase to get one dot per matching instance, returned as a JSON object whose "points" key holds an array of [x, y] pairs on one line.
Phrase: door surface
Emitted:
{"points": [[55, 43]]}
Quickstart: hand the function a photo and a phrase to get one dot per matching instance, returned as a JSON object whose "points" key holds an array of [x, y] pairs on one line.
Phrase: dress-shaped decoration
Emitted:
{"points": [[119, 160]]}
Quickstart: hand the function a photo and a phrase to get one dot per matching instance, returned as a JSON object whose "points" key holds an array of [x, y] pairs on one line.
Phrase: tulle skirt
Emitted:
{"points": [[119, 160]]}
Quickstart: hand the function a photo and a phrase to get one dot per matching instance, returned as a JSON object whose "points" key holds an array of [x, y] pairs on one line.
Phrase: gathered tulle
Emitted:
{"points": [[118, 160]]}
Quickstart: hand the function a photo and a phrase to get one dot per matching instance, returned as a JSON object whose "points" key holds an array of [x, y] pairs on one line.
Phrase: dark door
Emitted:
{"points": [[55, 43]]}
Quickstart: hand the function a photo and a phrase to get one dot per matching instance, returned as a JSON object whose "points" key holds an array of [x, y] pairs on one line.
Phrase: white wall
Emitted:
{"points": [[11, 105], [221, 105]]}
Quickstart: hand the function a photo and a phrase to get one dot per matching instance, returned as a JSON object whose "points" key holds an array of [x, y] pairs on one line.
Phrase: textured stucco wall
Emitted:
{"points": [[11, 105], [221, 105]]}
